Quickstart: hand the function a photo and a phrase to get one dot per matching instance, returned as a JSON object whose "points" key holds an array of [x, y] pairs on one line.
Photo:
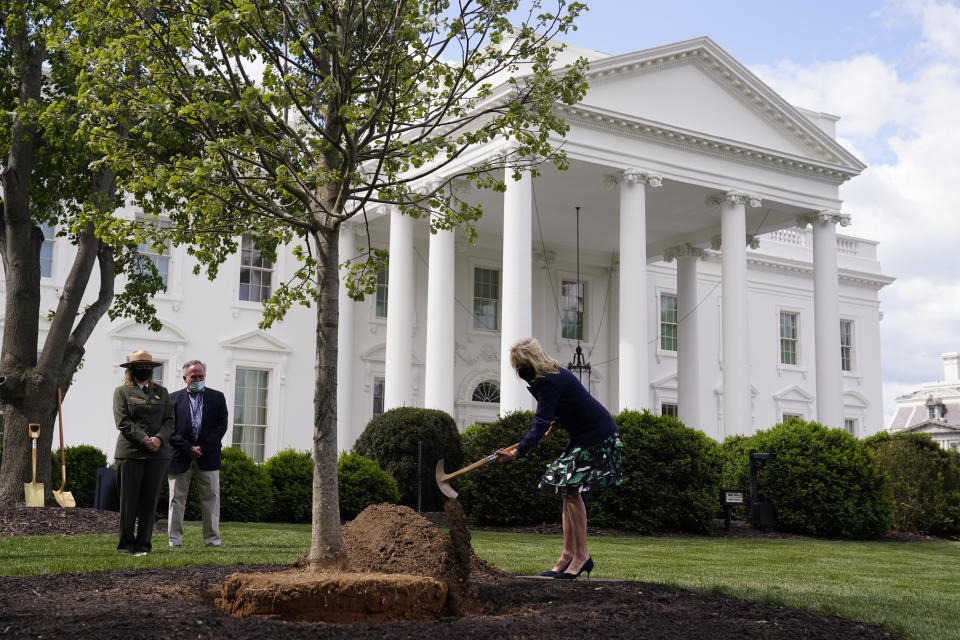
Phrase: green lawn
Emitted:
{"points": [[246, 542], [912, 589]]}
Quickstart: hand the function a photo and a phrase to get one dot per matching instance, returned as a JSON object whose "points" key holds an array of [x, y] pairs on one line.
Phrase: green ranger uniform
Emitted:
{"points": [[140, 414]]}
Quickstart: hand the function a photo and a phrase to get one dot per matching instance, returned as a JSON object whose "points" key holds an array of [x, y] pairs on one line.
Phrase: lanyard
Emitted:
{"points": [[196, 410]]}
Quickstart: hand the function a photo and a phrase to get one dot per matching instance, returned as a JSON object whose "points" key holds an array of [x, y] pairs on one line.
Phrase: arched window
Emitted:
{"points": [[486, 392]]}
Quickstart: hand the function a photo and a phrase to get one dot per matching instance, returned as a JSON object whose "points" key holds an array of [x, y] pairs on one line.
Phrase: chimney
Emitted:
{"points": [[951, 367]]}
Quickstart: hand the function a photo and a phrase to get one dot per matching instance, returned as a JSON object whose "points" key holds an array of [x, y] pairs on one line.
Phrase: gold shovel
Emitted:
{"points": [[443, 478], [33, 491], [64, 498]]}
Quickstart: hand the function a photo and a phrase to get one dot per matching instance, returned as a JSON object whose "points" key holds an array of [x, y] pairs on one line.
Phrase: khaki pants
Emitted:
{"points": [[208, 485]]}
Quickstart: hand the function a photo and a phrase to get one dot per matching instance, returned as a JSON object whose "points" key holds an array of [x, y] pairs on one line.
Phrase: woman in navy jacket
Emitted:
{"points": [[591, 460]]}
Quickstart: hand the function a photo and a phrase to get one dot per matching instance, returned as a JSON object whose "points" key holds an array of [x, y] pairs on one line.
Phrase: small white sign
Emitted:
{"points": [[733, 497]]}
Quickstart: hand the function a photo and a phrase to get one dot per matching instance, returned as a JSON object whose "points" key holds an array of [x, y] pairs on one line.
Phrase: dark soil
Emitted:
{"points": [[179, 602]]}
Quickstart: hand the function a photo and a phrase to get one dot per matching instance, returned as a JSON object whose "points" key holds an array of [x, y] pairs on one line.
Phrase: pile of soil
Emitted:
{"points": [[402, 567], [389, 538]]}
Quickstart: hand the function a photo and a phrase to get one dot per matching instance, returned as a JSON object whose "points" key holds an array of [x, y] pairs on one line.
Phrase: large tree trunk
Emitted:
{"points": [[21, 389], [28, 386], [326, 543]]}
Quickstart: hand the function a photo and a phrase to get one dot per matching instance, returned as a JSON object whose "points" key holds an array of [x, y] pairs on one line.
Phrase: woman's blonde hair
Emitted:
{"points": [[528, 352]]}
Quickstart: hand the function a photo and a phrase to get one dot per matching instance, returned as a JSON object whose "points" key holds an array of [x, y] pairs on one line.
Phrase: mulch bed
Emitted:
{"points": [[175, 602]]}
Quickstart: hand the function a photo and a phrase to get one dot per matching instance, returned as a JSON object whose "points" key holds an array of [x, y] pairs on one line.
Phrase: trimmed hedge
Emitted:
{"points": [[82, 462], [291, 479], [671, 478], [736, 472], [407, 442], [507, 495], [362, 483], [923, 480], [245, 494], [821, 481]]}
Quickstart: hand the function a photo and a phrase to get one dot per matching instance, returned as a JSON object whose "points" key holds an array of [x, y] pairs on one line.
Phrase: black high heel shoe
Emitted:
{"points": [[550, 573], [587, 567]]}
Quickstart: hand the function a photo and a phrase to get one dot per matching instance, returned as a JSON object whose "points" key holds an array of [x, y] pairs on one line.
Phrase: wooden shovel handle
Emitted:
{"points": [[478, 463]]}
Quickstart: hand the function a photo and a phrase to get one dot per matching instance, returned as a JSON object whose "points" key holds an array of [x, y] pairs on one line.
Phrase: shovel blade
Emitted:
{"points": [[443, 484], [65, 499], [33, 493]]}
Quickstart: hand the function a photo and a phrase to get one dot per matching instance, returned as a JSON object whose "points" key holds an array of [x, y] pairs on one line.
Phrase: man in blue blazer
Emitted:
{"points": [[201, 422]]}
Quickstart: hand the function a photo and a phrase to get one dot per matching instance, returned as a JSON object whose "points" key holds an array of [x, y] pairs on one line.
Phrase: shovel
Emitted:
{"points": [[64, 498], [33, 491], [443, 478]]}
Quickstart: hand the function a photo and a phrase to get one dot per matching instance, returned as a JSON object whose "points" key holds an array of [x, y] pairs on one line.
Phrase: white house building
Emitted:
{"points": [[712, 281], [934, 408]]}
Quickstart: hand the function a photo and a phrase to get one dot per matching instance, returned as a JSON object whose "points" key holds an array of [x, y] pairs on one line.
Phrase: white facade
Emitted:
{"points": [[692, 177], [934, 408]]}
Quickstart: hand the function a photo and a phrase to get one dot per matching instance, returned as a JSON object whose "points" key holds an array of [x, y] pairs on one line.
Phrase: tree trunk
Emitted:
{"points": [[28, 388], [16, 468], [326, 543]]}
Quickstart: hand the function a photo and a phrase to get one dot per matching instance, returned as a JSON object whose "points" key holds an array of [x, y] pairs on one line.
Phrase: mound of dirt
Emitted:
{"points": [[389, 538], [402, 567]]}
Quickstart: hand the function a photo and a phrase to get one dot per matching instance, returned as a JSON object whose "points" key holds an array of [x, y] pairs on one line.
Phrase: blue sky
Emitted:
{"points": [[891, 71]]}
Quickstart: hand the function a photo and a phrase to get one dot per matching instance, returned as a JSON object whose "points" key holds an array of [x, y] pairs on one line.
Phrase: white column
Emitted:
{"points": [[734, 314], [826, 317], [688, 334], [517, 288], [399, 357], [634, 377], [438, 381], [345, 342]]}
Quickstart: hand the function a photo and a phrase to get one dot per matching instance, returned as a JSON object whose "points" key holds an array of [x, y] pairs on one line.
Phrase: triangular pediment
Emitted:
{"points": [[666, 383], [131, 329], [933, 427], [795, 394], [695, 86], [256, 340]]}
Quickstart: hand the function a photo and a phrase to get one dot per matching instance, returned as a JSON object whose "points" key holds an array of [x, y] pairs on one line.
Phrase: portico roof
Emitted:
{"points": [[691, 114]]}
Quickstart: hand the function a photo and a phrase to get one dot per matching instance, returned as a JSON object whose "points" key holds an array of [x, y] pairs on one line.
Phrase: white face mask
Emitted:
{"points": [[196, 387]]}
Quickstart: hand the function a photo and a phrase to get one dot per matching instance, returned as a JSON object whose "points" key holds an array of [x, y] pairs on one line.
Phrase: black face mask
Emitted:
{"points": [[142, 375], [527, 373]]}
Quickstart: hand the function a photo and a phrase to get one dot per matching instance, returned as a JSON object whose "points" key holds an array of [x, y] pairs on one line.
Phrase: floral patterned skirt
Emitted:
{"points": [[585, 469]]}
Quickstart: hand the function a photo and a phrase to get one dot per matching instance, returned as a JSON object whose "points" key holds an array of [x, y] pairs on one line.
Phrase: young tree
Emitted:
{"points": [[49, 177], [312, 112]]}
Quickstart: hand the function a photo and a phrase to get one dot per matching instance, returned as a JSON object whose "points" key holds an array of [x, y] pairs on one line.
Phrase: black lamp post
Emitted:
{"points": [[579, 366]]}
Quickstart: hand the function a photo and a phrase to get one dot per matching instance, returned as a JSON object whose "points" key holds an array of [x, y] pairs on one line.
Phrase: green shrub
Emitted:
{"points": [[496, 494], [923, 480], [82, 462], [671, 478], [244, 488], [406, 443], [736, 472], [291, 477], [362, 482], [821, 481]]}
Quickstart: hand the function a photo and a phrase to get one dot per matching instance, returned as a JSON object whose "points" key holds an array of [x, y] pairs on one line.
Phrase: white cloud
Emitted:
{"points": [[905, 125], [941, 29], [865, 90]]}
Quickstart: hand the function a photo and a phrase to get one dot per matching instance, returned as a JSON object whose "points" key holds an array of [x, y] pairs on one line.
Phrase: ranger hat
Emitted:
{"points": [[140, 357]]}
